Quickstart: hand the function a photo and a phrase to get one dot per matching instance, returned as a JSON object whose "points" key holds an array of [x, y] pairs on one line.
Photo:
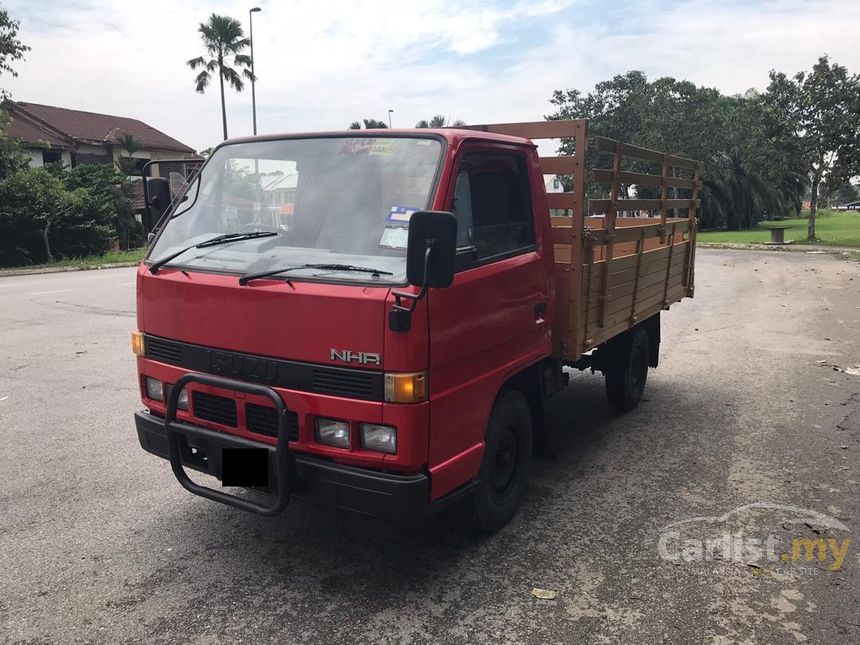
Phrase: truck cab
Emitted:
{"points": [[363, 319]]}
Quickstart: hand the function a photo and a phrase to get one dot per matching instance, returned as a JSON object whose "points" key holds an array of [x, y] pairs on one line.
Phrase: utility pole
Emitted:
{"points": [[253, 77]]}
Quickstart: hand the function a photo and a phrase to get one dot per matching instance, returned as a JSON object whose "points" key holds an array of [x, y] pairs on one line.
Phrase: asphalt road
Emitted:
{"points": [[749, 406]]}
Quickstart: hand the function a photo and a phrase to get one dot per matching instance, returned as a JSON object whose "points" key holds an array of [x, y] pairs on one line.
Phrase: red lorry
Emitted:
{"points": [[375, 319]]}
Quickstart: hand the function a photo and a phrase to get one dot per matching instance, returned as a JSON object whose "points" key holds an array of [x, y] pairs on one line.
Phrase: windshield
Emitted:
{"points": [[333, 201]]}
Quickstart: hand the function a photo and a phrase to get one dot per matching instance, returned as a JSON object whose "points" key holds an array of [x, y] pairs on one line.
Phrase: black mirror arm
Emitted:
{"points": [[400, 316], [414, 297]]}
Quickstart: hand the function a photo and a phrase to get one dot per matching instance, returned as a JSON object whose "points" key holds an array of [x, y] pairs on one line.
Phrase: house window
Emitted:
{"points": [[51, 156]]}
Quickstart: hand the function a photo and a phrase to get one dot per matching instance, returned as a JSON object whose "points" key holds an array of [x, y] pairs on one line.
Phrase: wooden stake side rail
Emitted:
{"points": [[614, 271]]}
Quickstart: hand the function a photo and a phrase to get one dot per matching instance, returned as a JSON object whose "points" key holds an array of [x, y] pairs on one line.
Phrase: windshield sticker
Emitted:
{"points": [[401, 213], [394, 237], [356, 146], [384, 147]]}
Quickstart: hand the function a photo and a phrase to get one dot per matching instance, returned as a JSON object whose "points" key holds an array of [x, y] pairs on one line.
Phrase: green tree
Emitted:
{"points": [[37, 197], [845, 193], [746, 178], [223, 38], [817, 114], [111, 206], [12, 157], [440, 121], [369, 124], [11, 48]]}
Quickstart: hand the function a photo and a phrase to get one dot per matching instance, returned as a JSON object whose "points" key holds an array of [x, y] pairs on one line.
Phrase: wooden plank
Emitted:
{"points": [[609, 332], [629, 261], [562, 309], [604, 176], [669, 268], [646, 300], [618, 307], [655, 275], [602, 144], [561, 200], [640, 247], [603, 205], [562, 236], [557, 129], [561, 165], [646, 312], [575, 339], [610, 233]]}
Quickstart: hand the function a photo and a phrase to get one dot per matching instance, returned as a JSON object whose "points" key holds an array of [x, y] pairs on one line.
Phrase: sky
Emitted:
{"points": [[322, 64]]}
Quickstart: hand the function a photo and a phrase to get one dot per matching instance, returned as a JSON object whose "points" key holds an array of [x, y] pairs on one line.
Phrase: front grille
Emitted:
{"points": [[343, 383], [274, 372], [162, 350], [263, 419], [217, 409]]}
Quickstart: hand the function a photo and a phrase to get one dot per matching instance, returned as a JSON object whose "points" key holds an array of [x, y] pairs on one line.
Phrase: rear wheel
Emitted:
{"points": [[628, 370], [504, 469]]}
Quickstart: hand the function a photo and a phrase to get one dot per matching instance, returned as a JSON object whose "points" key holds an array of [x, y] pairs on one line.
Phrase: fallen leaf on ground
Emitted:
{"points": [[544, 594]]}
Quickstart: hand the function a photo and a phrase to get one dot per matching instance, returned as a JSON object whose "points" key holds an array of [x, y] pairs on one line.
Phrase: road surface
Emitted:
{"points": [[750, 424]]}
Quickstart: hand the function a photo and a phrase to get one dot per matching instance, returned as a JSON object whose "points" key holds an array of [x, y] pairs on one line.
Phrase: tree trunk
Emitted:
{"points": [[223, 106], [813, 206], [45, 231]]}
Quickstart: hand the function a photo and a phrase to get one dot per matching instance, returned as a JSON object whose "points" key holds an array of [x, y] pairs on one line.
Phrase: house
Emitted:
{"points": [[50, 134], [850, 206]]}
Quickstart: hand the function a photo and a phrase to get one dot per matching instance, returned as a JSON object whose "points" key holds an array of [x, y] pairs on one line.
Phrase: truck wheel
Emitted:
{"points": [[504, 469], [627, 372]]}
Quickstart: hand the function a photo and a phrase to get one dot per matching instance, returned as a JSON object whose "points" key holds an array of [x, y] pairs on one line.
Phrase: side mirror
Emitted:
{"points": [[431, 249], [157, 199]]}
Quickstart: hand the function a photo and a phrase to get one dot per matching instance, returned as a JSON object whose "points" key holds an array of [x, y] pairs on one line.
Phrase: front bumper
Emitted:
{"points": [[378, 494]]}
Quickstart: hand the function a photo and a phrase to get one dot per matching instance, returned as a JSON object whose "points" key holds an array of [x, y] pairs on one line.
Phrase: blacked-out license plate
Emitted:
{"points": [[244, 467]]}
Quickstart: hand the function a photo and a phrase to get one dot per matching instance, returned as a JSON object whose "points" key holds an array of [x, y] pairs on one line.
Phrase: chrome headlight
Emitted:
{"points": [[332, 432], [378, 437]]}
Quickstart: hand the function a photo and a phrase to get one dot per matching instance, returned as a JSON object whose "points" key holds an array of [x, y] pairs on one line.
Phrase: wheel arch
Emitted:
{"points": [[529, 382]]}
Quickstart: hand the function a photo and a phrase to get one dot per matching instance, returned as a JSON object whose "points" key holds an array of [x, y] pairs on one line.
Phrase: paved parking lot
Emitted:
{"points": [[754, 409]]}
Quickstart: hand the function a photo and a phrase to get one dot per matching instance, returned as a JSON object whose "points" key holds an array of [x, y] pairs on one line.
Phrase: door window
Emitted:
{"points": [[492, 206]]}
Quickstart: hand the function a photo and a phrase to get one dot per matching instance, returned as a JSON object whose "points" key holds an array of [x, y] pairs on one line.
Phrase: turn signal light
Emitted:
{"points": [[137, 344], [410, 387]]}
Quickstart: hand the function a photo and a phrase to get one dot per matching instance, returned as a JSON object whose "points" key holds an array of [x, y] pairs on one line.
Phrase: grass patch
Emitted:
{"points": [[832, 228], [92, 261]]}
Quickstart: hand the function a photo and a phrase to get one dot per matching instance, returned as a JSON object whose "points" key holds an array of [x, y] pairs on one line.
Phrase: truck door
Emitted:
{"points": [[493, 318]]}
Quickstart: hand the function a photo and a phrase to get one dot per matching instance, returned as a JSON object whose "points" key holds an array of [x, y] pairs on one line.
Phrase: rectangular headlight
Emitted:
{"points": [[379, 438], [154, 389], [182, 404], [332, 432]]}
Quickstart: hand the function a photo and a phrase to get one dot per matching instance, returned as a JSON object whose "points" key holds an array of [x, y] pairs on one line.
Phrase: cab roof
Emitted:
{"points": [[452, 135]]}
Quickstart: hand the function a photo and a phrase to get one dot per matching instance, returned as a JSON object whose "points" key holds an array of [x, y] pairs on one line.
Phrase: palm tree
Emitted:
{"points": [[440, 121], [222, 37], [369, 124], [131, 145]]}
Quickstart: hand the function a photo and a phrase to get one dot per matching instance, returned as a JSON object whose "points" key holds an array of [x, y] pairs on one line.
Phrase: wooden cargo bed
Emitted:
{"points": [[612, 270]]}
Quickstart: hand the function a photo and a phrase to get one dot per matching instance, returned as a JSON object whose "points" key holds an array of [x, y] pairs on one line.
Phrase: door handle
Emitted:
{"points": [[540, 312]]}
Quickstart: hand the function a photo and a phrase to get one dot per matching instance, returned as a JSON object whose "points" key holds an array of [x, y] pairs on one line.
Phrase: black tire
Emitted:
{"points": [[505, 467], [627, 371]]}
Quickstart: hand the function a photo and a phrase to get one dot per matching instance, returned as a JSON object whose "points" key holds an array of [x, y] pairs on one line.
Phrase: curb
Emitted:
{"points": [[790, 248], [38, 270]]}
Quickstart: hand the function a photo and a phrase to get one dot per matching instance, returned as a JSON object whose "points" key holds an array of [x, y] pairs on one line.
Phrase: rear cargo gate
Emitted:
{"points": [[280, 456]]}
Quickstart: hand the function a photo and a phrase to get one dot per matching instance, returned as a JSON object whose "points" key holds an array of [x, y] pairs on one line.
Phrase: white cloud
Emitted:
{"points": [[324, 64]]}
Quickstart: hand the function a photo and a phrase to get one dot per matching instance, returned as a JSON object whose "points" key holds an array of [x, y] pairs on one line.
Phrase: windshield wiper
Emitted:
{"points": [[226, 238], [245, 279]]}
